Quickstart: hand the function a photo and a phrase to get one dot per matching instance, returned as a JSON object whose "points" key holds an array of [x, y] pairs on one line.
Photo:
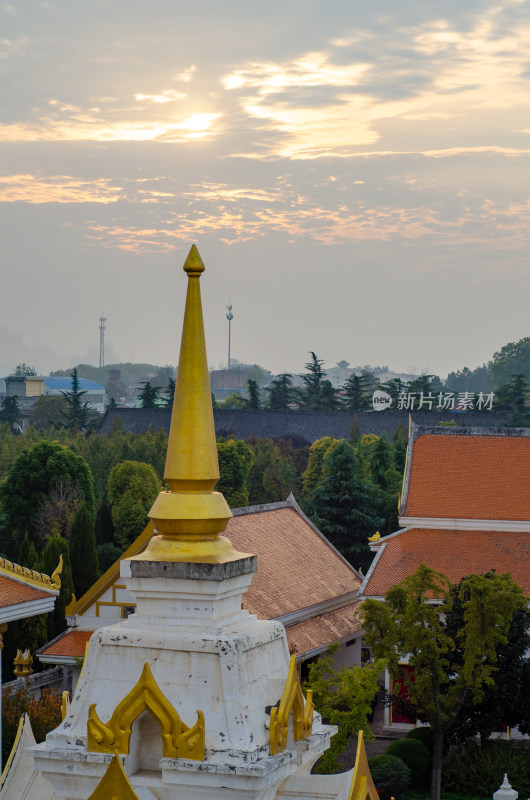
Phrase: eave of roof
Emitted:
{"points": [[313, 636], [453, 552], [67, 646]]}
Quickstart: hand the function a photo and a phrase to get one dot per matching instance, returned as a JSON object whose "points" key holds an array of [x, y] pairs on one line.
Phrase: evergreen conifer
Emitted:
{"points": [[82, 551], [56, 547], [344, 505]]}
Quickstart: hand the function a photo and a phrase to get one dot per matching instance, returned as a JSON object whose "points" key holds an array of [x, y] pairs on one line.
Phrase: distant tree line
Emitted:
{"points": [[318, 394]]}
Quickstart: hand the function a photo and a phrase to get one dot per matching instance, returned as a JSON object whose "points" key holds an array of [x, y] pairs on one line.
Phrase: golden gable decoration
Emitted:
{"points": [[178, 740], [362, 786], [115, 784], [31, 576], [302, 708]]}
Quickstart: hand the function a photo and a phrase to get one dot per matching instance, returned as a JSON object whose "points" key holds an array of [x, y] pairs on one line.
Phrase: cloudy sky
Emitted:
{"points": [[355, 175]]}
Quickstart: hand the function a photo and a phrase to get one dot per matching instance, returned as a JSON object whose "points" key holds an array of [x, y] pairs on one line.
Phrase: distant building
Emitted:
{"points": [[338, 375], [26, 386]]}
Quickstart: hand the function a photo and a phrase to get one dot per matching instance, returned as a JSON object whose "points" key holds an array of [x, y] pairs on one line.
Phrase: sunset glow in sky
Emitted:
{"points": [[355, 175]]}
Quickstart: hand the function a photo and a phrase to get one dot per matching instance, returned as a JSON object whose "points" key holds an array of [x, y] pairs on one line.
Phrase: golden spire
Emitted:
{"points": [[189, 518]]}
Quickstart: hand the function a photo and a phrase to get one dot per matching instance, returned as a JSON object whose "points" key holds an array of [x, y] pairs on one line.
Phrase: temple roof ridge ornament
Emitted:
{"points": [[190, 516], [31, 577]]}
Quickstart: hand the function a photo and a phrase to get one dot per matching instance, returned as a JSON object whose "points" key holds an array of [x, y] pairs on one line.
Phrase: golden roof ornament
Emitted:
{"points": [[31, 577], [190, 516], [23, 662]]}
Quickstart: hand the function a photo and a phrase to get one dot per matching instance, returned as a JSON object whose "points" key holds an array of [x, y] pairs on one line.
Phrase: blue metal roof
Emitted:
{"points": [[65, 384]]}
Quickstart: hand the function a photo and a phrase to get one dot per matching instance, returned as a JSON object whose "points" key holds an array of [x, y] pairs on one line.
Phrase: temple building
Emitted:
{"points": [[465, 508], [302, 581], [191, 696], [24, 593]]}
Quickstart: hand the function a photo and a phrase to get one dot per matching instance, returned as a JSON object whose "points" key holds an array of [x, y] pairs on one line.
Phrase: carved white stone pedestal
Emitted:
{"points": [[205, 653]]}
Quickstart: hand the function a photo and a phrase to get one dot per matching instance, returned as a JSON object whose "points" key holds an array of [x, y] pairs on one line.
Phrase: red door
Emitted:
{"points": [[400, 688]]}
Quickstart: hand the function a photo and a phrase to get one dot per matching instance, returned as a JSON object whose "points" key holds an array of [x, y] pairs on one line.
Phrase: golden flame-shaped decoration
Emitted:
{"points": [[375, 537], [302, 708], [178, 741], [190, 516], [362, 785], [115, 784]]}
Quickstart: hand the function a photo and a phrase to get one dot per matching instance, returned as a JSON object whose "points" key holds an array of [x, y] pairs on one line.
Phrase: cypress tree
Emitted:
{"points": [[56, 547], [82, 550]]}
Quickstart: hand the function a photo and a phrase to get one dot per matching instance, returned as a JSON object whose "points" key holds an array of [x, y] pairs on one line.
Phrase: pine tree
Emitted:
{"points": [[511, 398], [253, 400], [77, 411], [312, 393], [169, 394], [344, 505], [394, 388], [280, 392], [328, 398], [82, 551], [356, 393], [148, 396]]}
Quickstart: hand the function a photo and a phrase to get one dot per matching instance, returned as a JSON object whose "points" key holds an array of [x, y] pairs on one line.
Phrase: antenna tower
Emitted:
{"points": [[229, 317], [102, 321]]}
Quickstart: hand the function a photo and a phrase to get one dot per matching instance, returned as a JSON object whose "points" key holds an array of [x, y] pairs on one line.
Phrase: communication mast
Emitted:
{"points": [[229, 317], [102, 321]]}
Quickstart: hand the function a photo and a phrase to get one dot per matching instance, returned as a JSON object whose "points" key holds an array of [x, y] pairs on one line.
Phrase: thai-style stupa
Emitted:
{"points": [[191, 696]]}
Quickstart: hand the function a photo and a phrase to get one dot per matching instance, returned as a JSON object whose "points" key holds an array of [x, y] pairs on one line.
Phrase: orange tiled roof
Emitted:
{"points": [[455, 553], [13, 592], [72, 643], [296, 567], [324, 629], [470, 477]]}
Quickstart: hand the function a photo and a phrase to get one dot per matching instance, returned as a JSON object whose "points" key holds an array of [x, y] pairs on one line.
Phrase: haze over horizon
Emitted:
{"points": [[355, 178]]}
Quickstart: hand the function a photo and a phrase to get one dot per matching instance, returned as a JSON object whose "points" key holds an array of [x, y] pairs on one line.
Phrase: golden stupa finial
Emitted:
{"points": [[189, 518]]}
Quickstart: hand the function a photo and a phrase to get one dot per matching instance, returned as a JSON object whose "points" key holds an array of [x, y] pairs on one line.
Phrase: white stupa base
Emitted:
{"points": [[205, 652]]}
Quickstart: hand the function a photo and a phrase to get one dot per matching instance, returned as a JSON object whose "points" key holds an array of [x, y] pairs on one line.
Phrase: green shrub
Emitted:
{"points": [[416, 756], [478, 768], [423, 734], [390, 775]]}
